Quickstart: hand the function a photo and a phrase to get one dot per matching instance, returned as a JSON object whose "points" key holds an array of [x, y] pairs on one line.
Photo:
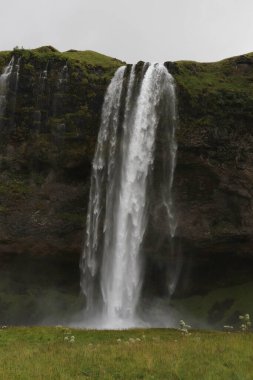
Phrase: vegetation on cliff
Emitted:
{"points": [[48, 135], [215, 98], [215, 103], [48, 140]]}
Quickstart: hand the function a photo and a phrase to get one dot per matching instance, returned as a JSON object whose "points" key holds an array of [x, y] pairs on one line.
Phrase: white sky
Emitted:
{"points": [[150, 30]]}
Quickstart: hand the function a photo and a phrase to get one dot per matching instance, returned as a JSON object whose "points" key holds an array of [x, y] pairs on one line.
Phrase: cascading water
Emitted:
{"points": [[15, 83], [10, 73], [112, 266], [60, 92], [43, 78], [64, 75], [37, 117], [4, 78]]}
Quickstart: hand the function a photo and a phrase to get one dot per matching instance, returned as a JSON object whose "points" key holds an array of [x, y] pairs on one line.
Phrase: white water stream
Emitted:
{"points": [[9, 70], [112, 270]]}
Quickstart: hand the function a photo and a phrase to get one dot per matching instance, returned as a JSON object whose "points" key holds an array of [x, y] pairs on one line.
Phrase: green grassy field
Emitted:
{"points": [[93, 58], [42, 353]]}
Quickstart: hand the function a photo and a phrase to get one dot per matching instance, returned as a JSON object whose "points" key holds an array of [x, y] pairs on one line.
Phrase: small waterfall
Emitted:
{"points": [[111, 265], [37, 116], [43, 78], [15, 82], [9, 81], [60, 92], [64, 75]]}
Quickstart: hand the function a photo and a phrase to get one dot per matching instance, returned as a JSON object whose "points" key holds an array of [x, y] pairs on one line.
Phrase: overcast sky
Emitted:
{"points": [[150, 30]]}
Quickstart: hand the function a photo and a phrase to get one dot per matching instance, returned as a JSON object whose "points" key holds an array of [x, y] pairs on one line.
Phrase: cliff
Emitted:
{"points": [[46, 148], [48, 136]]}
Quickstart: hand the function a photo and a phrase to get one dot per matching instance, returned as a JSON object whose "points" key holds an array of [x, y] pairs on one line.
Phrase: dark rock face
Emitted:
{"points": [[214, 176], [46, 149], [47, 143], [213, 185]]}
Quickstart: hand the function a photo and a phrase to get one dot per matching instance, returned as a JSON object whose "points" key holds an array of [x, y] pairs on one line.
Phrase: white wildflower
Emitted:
{"points": [[227, 327], [184, 327]]}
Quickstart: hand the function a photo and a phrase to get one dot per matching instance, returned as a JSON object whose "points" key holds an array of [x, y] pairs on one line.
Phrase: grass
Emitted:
{"points": [[213, 98], [93, 58], [42, 353], [217, 76], [86, 57]]}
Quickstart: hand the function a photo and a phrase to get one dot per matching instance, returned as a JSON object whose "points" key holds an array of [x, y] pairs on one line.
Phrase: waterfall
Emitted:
{"points": [[9, 78], [63, 75], [112, 263], [43, 78], [37, 116], [60, 93], [4, 82], [15, 82]]}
